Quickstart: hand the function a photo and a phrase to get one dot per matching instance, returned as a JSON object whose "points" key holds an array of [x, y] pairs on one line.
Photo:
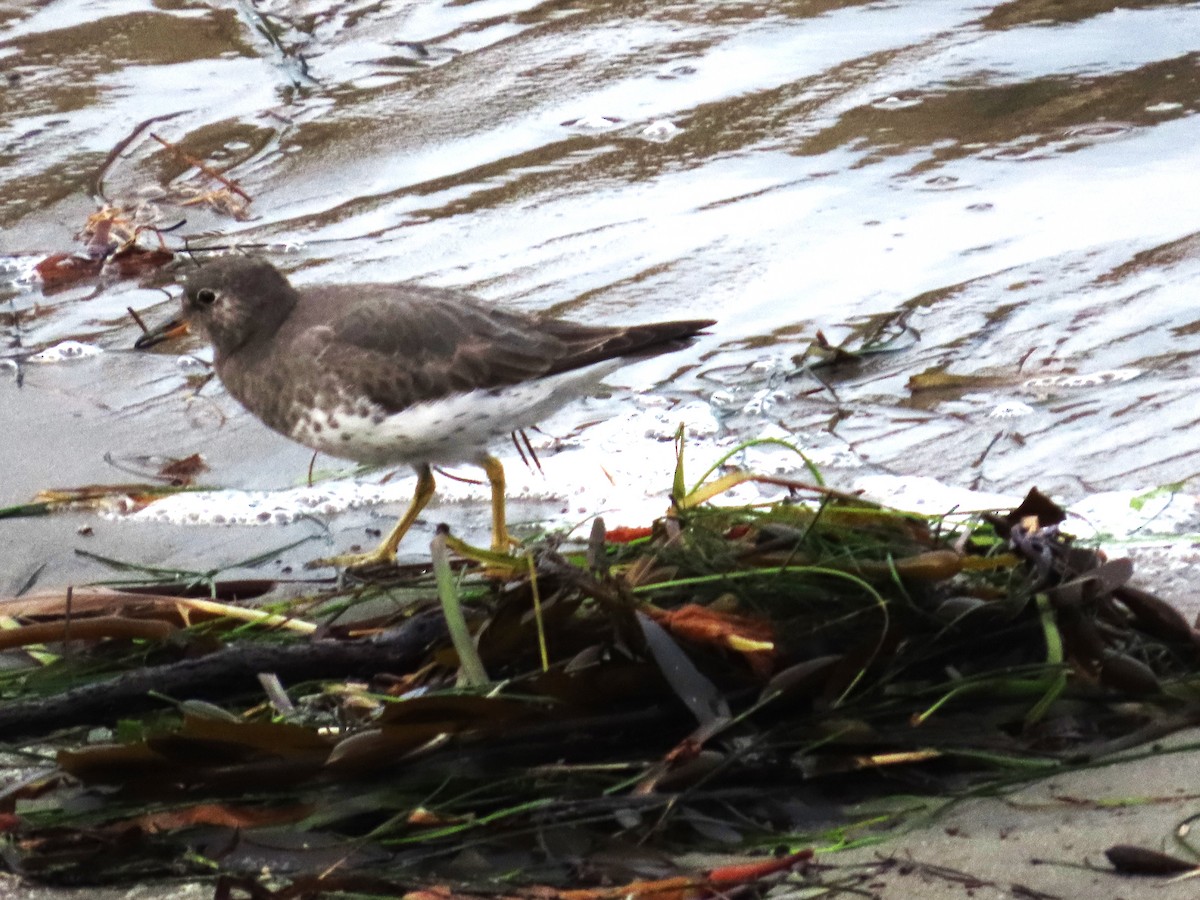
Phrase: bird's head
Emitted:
{"points": [[235, 299]]}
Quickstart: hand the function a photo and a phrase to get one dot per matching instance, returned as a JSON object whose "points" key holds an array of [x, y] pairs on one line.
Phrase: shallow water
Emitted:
{"points": [[1003, 192]]}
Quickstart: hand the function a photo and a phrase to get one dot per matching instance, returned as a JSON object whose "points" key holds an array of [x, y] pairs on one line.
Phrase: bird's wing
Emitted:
{"points": [[415, 343]]}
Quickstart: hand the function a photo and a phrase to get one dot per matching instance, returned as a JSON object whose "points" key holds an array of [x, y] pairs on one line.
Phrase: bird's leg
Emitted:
{"points": [[385, 553], [502, 541]]}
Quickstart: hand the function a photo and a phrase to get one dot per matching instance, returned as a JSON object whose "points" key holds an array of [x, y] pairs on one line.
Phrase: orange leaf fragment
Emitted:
{"points": [[132, 261], [625, 534], [183, 471], [746, 872], [713, 884], [59, 271], [222, 815], [427, 818], [752, 638]]}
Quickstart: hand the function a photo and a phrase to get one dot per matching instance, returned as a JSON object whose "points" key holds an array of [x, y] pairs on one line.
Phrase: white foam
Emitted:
{"points": [[1158, 514], [623, 467], [593, 121], [1010, 409], [1085, 380], [928, 496], [64, 351], [661, 131]]}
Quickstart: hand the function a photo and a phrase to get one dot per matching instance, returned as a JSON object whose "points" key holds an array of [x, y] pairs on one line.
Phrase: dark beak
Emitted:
{"points": [[168, 331]]}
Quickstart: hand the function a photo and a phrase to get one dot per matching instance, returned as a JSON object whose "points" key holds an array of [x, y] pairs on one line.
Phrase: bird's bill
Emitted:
{"points": [[168, 331]]}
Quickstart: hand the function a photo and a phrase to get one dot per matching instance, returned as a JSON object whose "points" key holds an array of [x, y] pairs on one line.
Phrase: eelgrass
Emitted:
{"points": [[671, 687]]}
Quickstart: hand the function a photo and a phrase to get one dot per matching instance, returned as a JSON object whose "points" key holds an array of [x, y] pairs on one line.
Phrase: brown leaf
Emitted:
{"points": [[183, 471], [221, 814], [1037, 505], [1131, 860], [132, 261], [1155, 616], [60, 271], [87, 629]]}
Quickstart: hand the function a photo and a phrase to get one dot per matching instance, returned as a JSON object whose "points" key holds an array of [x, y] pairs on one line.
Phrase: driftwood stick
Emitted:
{"points": [[229, 671]]}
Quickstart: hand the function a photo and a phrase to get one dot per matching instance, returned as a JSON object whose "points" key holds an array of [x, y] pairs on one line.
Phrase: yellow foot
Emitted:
{"points": [[378, 558], [496, 563], [498, 559], [505, 543]]}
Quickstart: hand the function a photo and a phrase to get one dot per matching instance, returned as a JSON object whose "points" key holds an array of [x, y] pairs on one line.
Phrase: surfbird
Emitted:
{"points": [[401, 373]]}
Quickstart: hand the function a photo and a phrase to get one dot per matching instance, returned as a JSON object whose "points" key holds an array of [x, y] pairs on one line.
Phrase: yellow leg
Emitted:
{"points": [[385, 553], [501, 539]]}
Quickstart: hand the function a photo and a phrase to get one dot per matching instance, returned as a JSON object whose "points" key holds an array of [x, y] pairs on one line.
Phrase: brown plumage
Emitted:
{"points": [[400, 373]]}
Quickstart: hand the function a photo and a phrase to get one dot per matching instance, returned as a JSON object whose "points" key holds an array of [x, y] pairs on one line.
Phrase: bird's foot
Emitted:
{"points": [[499, 560], [496, 563], [379, 558], [505, 544]]}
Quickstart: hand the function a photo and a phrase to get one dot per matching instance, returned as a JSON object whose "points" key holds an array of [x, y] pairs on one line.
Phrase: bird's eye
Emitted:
{"points": [[206, 297]]}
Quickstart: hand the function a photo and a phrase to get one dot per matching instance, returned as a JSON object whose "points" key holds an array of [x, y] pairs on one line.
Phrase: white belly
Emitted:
{"points": [[458, 428]]}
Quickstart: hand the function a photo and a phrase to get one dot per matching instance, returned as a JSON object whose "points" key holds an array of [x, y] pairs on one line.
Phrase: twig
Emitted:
{"points": [[229, 671], [192, 161], [119, 148]]}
